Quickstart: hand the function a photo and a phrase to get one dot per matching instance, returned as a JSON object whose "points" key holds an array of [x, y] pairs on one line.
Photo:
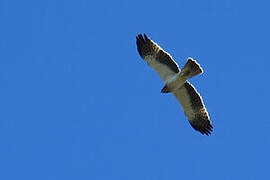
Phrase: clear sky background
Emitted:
{"points": [[77, 101]]}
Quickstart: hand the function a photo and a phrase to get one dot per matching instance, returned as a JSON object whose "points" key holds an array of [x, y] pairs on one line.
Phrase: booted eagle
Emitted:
{"points": [[176, 82]]}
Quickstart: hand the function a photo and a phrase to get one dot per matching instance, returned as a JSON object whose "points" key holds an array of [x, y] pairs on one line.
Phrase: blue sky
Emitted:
{"points": [[77, 101]]}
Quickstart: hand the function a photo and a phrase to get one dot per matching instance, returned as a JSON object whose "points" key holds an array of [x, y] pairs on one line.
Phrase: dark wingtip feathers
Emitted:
{"points": [[140, 41], [146, 37], [204, 127], [201, 122]]}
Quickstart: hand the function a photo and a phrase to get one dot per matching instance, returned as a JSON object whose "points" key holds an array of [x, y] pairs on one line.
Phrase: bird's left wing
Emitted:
{"points": [[156, 57]]}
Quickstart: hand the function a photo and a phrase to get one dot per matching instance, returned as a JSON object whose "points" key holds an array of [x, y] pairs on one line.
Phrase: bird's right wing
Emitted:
{"points": [[156, 57], [194, 108]]}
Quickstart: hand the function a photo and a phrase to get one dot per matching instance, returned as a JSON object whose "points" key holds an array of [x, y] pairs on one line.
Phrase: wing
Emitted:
{"points": [[156, 57], [194, 108]]}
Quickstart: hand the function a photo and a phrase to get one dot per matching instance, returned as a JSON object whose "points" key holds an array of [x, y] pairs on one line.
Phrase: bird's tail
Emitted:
{"points": [[190, 69]]}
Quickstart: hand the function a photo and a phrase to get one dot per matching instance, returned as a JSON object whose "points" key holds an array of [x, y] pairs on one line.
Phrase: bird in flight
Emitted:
{"points": [[176, 82]]}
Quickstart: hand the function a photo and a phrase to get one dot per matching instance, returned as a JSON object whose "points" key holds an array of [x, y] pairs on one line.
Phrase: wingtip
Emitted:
{"points": [[140, 41], [142, 36], [208, 129], [139, 35], [205, 129], [145, 36]]}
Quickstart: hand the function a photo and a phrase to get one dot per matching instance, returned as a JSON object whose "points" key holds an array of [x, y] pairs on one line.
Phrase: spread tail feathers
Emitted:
{"points": [[191, 68]]}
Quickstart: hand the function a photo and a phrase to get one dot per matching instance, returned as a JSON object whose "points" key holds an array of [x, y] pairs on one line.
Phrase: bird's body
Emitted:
{"points": [[176, 82]]}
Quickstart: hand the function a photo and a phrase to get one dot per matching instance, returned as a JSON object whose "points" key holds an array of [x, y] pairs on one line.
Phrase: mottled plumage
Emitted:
{"points": [[176, 82]]}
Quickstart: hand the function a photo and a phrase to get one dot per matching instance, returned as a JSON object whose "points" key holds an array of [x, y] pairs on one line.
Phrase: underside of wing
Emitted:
{"points": [[194, 108], [156, 57]]}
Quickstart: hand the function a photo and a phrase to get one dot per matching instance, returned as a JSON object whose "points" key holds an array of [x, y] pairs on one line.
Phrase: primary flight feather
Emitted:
{"points": [[176, 82]]}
